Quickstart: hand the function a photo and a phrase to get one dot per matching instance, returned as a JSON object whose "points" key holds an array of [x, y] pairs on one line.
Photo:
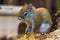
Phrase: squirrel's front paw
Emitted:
{"points": [[28, 31]]}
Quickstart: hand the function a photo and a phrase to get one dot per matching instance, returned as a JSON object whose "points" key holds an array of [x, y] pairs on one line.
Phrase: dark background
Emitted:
{"points": [[51, 5]]}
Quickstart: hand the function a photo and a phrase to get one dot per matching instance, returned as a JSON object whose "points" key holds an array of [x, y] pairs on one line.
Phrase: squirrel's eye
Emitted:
{"points": [[25, 13]]}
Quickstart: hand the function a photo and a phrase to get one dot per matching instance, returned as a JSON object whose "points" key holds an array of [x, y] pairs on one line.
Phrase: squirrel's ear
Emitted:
{"points": [[25, 4], [30, 4]]}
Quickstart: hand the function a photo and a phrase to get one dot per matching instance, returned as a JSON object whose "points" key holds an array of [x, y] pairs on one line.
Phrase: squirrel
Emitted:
{"points": [[39, 19]]}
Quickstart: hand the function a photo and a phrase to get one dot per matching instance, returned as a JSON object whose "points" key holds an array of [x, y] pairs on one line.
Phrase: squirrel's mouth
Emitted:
{"points": [[23, 19], [20, 18]]}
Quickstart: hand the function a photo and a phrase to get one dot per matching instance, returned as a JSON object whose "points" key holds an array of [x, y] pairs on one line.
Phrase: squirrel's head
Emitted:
{"points": [[26, 11]]}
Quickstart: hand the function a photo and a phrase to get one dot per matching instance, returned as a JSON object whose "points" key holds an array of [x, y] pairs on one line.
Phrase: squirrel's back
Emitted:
{"points": [[42, 15]]}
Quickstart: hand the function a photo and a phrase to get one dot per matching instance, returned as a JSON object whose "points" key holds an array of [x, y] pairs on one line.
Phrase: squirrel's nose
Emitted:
{"points": [[19, 18]]}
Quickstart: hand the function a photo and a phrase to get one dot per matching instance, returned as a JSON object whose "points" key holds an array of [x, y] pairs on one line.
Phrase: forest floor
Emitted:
{"points": [[51, 36]]}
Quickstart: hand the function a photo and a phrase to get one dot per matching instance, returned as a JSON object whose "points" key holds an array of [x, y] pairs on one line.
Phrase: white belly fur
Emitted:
{"points": [[44, 27]]}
